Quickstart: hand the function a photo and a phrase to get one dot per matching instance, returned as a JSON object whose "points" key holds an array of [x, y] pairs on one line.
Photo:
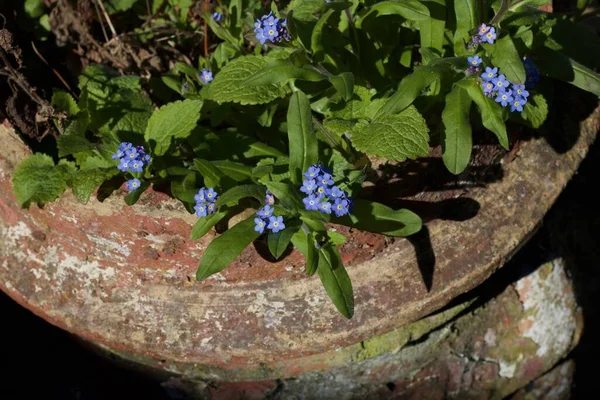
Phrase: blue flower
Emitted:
{"points": [[118, 154], [474, 61], [504, 97], [265, 212], [270, 199], [311, 203], [325, 207], [488, 87], [308, 186], [321, 192], [276, 224], [520, 91], [270, 33], [210, 195], [206, 76], [271, 21], [201, 210], [341, 207], [325, 180], [335, 192], [517, 104], [200, 197], [489, 74], [489, 36], [132, 184], [123, 146], [312, 172], [131, 154], [123, 165], [261, 35], [136, 166], [501, 83], [260, 225], [532, 72], [210, 208], [218, 17], [483, 29]]}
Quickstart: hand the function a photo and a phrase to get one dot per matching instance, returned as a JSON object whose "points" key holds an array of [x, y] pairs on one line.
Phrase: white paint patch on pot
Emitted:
{"points": [[507, 369], [272, 312], [549, 303], [111, 245]]}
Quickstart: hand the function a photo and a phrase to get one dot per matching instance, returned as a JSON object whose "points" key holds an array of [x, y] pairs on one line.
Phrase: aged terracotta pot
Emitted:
{"points": [[119, 276]]}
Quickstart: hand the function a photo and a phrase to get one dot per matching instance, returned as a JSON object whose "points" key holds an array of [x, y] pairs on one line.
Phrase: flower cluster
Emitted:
{"points": [[217, 17], [205, 201], [270, 28], [206, 76], [322, 195], [503, 92], [131, 159], [485, 34], [532, 73], [266, 219]]}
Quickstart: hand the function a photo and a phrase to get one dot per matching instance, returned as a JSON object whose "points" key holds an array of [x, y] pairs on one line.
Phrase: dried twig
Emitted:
{"points": [[110, 25], [101, 21]]}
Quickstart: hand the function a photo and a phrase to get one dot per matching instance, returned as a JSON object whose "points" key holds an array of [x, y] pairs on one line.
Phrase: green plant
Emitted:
{"points": [[307, 92]]}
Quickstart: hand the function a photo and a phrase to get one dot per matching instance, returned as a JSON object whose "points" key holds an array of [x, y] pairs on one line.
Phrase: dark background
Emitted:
{"points": [[40, 361]]}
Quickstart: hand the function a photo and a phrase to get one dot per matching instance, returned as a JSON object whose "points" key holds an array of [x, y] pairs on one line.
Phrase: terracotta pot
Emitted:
{"points": [[119, 276]]}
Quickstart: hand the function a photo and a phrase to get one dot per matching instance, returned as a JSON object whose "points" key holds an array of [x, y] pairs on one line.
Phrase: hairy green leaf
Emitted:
{"points": [[491, 112], [467, 17], [431, 30], [335, 280], [395, 137], [279, 242], [64, 102], [205, 224], [344, 84], [303, 142], [38, 180], [84, 182], [457, 139], [228, 85], [411, 10], [375, 217], [223, 250], [506, 57], [236, 193], [281, 71], [174, 120], [535, 111]]}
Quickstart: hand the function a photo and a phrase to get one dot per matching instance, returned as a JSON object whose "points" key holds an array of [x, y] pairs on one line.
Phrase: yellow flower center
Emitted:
{"points": [[271, 32], [489, 35], [275, 223]]}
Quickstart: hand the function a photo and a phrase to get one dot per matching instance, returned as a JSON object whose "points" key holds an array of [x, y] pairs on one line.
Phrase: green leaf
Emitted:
{"points": [[395, 137], [410, 88], [518, 5], [281, 71], [228, 85], [431, 30], [234, 170], [278, 242], [535, 111], [457, 139], [174, 120], [186, 189], [211, 174], [64, 102], [557, 65], [84, 182], [316, 39], [38, 180], [467, 17], [411, 10], [576, 40], [375, 217], [115, 6], [335, 280], [344, 84], [236, 193], [362, 108], [304, 150], [336, 238], [506, 57], [491, 112], [223, 250], [34, 8], [205, 224], [134, 195]]}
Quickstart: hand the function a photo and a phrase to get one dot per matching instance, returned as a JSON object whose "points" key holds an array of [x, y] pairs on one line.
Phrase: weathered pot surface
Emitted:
{"points": [[119, 276]]}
